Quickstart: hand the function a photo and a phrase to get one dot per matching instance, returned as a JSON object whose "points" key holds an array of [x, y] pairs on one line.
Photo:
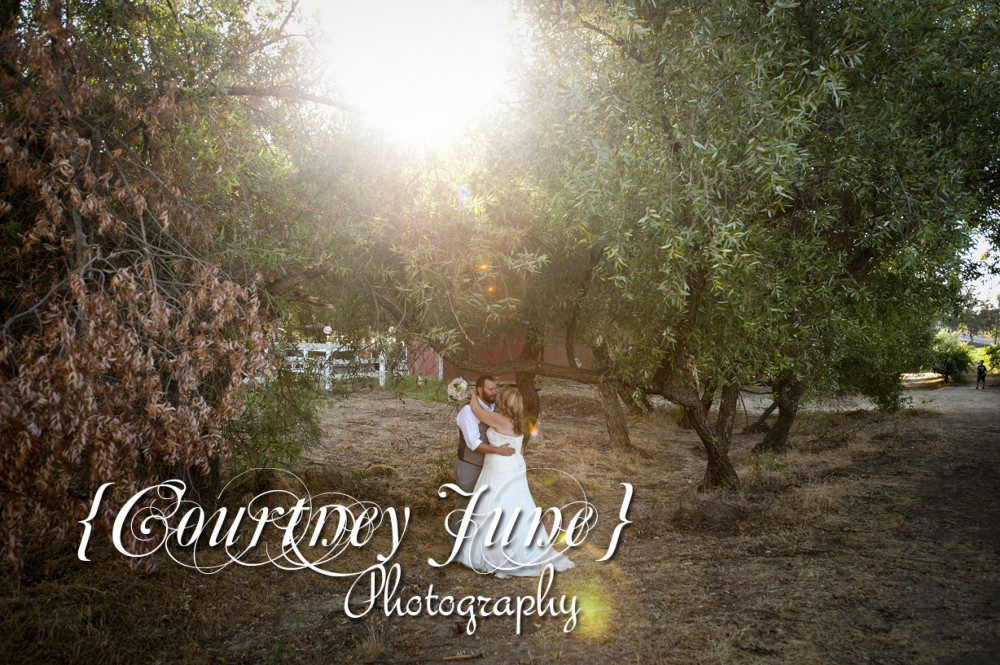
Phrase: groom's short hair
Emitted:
{"points": [[481, 381]]}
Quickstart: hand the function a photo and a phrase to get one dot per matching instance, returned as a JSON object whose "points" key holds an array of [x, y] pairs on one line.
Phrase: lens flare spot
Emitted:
{"points": [[550, 480], [596, 608], [533, 430]]}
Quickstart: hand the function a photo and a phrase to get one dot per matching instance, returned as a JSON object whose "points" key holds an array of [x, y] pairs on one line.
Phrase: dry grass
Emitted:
{"points": [[798, 567], [374, 640]]}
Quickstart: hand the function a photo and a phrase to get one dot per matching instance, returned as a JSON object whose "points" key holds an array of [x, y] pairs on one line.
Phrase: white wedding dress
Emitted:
{"points": [[507, 481]]}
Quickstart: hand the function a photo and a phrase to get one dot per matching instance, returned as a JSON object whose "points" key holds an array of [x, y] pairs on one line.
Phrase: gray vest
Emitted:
{"points": [[466, 454]]}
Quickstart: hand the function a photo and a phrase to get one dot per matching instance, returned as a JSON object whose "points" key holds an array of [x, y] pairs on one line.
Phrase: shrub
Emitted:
{"points": [[428, 390], [991, 354], [873, 364], [951, 355], [279, 422]]}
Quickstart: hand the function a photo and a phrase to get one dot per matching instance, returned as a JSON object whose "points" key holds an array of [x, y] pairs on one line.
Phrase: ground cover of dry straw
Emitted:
{"points": [[876, 539]]}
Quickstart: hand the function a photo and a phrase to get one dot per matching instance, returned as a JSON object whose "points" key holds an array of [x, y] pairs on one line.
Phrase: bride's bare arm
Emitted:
{"points": [[497, 421]]}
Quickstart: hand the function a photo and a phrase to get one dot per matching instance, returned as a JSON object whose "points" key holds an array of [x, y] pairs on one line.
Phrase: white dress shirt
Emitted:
{"points": [[469, 424]]}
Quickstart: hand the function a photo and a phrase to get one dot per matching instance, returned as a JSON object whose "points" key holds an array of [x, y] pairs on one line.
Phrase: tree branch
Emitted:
{"points": [[281, 285], [629, 50], [286, 92], [635, 54], [301, 296], [571, 340]]}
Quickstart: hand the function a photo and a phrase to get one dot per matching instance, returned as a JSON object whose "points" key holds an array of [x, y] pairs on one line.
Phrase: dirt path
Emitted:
{"points": [[948, 578]]}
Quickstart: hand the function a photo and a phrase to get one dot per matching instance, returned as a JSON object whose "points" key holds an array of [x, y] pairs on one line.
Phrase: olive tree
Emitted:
{"points": [[719, 162]]}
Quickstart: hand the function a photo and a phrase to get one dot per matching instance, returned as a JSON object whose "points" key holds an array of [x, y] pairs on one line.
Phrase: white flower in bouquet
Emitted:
{"points": [[458, 390]]}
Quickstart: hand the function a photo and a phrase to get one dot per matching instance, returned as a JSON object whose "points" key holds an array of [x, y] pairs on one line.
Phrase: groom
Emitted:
{"points": [[473, 447]]}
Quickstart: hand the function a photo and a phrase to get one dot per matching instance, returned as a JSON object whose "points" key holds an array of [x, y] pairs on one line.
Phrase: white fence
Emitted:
{"points": [[332, 361]]}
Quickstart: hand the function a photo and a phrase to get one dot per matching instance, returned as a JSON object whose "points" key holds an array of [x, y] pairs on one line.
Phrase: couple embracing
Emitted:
{"points": [[489, 455]]}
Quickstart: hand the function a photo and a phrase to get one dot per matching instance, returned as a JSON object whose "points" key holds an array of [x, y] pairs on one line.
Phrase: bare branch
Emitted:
{"points": [[626, 48], [298, 294], [282, 285], [286, 92]]}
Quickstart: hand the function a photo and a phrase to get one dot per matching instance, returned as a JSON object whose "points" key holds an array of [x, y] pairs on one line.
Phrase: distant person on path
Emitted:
{"points": [[981, 375]]}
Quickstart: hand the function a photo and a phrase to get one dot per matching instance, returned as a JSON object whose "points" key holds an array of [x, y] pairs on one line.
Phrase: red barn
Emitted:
{"points": [[424, 361]]}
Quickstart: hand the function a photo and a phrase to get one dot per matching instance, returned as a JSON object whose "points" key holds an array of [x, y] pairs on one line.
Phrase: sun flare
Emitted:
{"points": [[420, 70]]}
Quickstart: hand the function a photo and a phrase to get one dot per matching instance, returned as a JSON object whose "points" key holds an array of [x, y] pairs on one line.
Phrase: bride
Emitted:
{"points": [[507, 488]]}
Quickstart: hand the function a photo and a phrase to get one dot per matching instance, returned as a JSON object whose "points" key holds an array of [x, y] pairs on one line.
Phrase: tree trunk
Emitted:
{"points": [[571, 341], [203, 490], [727, 415], [786, 396], [720, 471], [614, 414], [708, 396], [759, 423], [534, 344], [526, 386]]}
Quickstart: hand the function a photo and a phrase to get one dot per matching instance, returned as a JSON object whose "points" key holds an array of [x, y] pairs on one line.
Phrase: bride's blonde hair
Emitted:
{"points": [[512, 405]]}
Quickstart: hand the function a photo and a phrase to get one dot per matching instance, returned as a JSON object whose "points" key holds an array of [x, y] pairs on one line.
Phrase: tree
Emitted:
{"points": [[951, 356], [978, 319], [728, 152], [748, 184], [138, 199]]}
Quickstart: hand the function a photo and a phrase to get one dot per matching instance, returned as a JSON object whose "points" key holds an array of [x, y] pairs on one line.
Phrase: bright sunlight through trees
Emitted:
{"points": [[419, 70]]}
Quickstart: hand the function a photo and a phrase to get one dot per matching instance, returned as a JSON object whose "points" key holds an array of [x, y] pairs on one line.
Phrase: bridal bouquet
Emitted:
{"points": [[457, 390]]}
